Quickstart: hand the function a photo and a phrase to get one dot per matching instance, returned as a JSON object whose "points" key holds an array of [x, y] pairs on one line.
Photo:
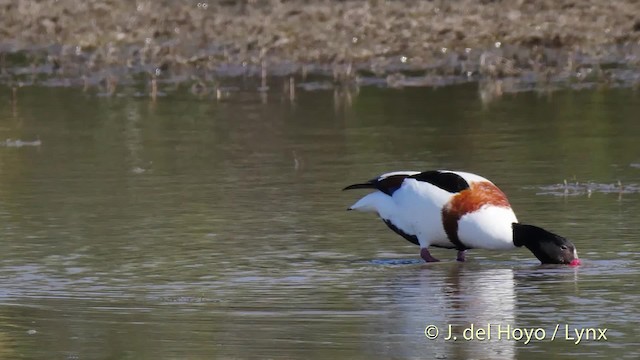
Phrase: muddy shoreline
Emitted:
{"points": [[521, 44]]}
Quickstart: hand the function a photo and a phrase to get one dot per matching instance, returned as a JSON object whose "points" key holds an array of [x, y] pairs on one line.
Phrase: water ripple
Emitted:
{"points": [[587, 188]]}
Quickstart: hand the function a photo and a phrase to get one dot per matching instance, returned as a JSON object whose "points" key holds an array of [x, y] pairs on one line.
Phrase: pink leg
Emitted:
{"points": [[426, 255], [461, 255]]}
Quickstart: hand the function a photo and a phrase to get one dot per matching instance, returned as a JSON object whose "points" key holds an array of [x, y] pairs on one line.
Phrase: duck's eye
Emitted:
{"points": [[563, 247]]}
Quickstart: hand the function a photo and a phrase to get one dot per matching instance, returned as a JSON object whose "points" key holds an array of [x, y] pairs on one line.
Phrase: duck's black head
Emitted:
{"points": [[548, 247]]}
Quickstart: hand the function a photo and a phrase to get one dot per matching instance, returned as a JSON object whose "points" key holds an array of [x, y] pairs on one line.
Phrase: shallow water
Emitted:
{"points": [[192, 228]]}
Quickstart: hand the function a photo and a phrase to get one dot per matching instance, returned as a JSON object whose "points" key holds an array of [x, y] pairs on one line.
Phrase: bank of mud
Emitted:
{"points": [[514, 44]]}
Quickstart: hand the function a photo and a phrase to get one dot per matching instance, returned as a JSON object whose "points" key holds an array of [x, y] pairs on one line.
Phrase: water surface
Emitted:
{"points": [[195, 228]]}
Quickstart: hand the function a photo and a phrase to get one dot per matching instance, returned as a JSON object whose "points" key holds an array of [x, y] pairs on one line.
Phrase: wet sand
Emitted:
{"points": [[393, 43]]}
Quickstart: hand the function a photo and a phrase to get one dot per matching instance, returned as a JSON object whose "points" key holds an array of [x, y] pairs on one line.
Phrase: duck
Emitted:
{"points": [[456, 210]]}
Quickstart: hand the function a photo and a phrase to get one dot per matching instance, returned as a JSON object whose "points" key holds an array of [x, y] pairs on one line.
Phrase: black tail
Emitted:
{"points": [[387, 184], [361, 186]]}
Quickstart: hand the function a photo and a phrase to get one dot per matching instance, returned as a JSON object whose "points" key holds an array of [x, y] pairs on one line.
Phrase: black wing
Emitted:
{"points": [[387, 185], [446, 181]]}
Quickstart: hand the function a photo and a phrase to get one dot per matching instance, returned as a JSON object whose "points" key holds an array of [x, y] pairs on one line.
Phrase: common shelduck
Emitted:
{"points": [[456, 210]]}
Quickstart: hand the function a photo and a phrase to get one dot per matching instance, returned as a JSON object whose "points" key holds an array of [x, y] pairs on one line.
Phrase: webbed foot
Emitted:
{"points": [[426, 255]]}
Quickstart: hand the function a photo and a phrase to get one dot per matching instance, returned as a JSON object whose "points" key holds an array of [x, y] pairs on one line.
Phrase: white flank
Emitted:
{"points": [[415, 208], [488, 228], [421, 209]]}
